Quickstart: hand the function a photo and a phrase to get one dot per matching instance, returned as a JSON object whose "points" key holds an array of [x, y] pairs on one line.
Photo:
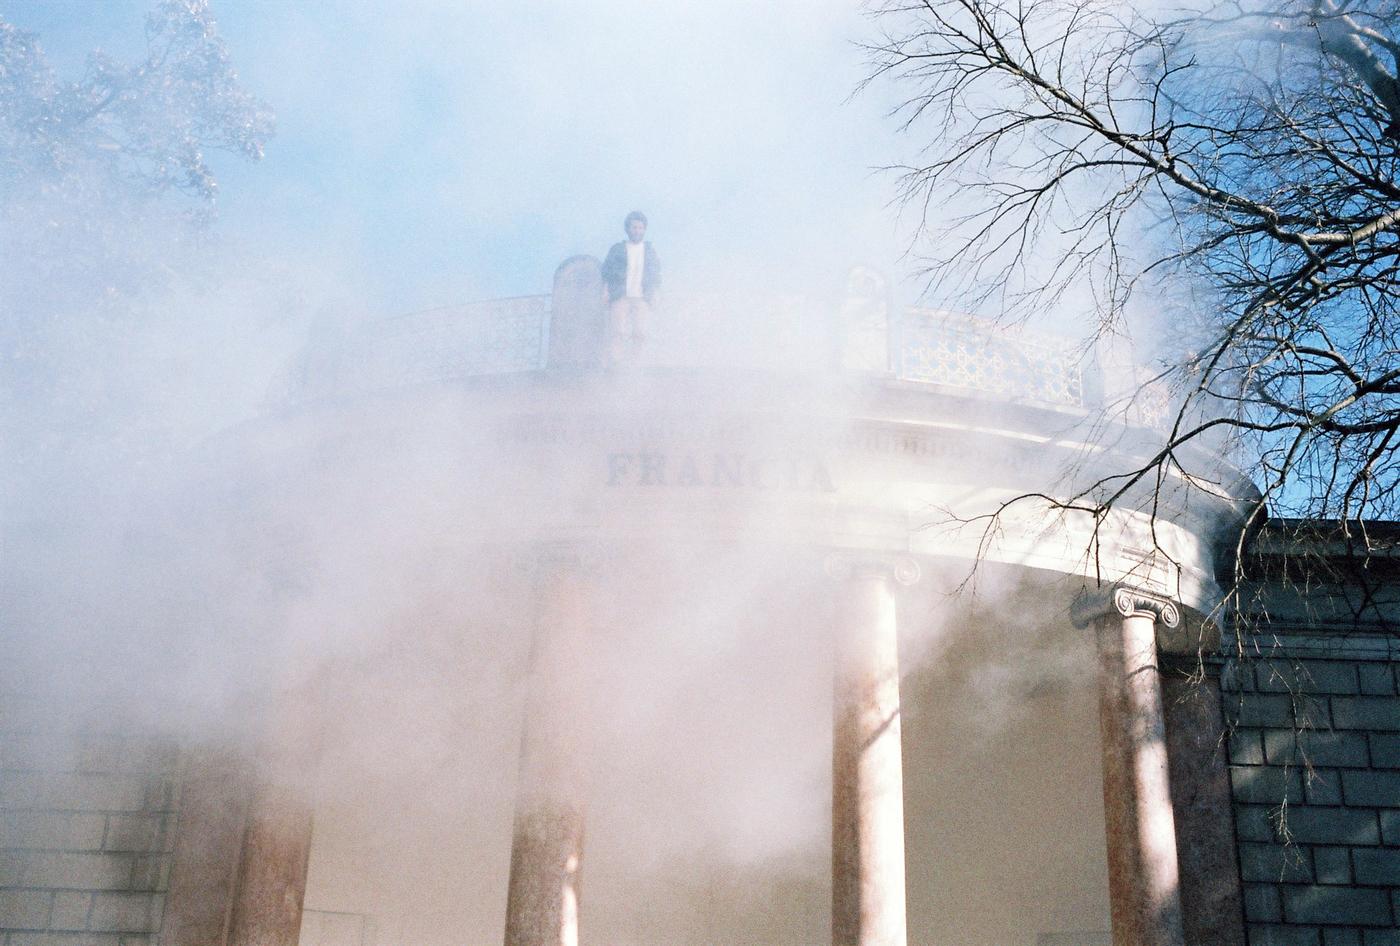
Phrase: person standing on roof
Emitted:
{"points": [[632, 284]]}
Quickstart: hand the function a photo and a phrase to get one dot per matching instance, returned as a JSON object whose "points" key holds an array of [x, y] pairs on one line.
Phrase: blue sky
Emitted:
{"points": [[431, 152]]}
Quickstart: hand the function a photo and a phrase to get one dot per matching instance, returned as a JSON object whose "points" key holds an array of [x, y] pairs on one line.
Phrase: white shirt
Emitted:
{"points": [[636, 261]]}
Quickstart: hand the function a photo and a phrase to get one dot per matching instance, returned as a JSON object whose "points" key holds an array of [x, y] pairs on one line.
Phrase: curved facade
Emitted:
{"points": [[846, 460], [713, 646]]}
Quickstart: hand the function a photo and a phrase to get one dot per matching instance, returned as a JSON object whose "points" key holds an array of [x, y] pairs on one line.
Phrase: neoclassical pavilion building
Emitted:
{"points": [[716, 647]]}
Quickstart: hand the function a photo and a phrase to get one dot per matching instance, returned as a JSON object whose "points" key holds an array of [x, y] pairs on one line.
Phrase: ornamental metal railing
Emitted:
{"points": [[497, 337], [505, 336], [962, 351]]}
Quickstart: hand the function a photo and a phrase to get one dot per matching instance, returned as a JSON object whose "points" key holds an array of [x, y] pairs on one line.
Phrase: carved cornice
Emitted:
{"points": [[1125, 601], [901, 569]]}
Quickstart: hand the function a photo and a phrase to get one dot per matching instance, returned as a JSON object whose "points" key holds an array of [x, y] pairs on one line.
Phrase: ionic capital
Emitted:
{"points": [[897, 568], [1125, 601]]}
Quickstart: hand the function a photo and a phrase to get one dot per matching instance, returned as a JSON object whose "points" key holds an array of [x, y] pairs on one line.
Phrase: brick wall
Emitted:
{"points": [[86, 820], [1315, 771]]}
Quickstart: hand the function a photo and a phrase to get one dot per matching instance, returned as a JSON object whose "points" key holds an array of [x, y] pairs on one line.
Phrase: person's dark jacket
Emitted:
{"points": [[615, 272]]}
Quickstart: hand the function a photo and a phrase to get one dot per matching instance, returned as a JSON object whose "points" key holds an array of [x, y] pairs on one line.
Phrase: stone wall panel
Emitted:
{"points": [[84, 833], [1315, 770]]}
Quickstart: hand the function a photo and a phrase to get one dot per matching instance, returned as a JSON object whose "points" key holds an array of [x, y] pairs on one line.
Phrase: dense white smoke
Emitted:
{"points": [[187, 546]]}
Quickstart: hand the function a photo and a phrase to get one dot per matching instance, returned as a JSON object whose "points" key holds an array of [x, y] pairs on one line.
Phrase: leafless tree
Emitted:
{"points": [[1240, 157]]}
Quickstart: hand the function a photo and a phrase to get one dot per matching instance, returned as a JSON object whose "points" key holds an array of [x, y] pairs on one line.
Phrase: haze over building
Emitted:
{"points": [[577, 686], [336, 615]]}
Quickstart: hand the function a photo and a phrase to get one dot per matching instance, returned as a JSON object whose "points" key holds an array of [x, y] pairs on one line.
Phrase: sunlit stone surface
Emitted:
{"points": [[867, 776]]}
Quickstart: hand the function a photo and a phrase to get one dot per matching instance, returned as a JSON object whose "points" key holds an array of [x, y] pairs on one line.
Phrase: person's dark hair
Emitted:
{"points": [[634, 215]]}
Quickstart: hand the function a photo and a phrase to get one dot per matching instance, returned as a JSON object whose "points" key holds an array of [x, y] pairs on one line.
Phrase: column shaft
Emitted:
{"points": [[867, 816], [215, 790], [272, 878], [545, 860], [242, 841], [1144, 876], [542, 900], [1211, 900]]}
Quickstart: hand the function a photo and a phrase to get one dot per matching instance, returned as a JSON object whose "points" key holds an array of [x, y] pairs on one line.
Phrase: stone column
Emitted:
{"points": [[1212, 902], [243, 832], [1143, 874], [542, 900], [272, 875], [242, 840], [867, 796], [215, 791]]}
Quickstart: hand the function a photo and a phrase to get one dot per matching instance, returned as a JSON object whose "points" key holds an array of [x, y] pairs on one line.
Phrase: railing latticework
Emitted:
{"points": [[484, 338], [506, 336], [964, 352]]}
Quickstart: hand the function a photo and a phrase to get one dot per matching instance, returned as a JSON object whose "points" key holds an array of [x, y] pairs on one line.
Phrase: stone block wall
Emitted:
{"points": [[1315, 772], [86, 822]]}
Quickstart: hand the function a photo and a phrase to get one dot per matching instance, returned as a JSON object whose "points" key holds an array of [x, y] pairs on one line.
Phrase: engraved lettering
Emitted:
{"points": [[689, 474], [653, 469], [728, 470]]}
